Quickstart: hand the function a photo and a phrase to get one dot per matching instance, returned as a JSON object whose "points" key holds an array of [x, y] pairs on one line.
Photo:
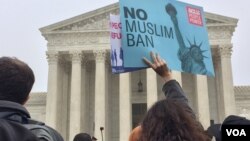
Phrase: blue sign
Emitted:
{"points": [[173, 29]]}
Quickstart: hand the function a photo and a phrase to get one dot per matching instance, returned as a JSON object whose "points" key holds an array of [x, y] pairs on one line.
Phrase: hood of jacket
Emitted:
{"points": [[13, 111]]}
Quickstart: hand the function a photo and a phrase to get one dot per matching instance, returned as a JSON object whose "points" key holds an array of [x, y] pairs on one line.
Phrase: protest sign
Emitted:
{"points": [[173, 29], [116, 52]]}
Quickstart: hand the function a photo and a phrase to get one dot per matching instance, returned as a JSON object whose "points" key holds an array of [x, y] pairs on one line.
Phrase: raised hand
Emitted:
{"points": [[159, 66]]}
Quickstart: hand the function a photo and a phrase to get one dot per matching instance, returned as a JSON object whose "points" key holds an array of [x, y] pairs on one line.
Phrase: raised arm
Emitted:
{"points": [[171, 88]]}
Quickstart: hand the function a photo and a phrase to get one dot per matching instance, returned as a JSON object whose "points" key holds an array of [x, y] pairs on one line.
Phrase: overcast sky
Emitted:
{"points": [[21, 19]]}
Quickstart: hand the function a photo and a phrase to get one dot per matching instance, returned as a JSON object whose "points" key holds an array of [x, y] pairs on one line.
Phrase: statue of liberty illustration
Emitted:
{"points": [[191, 57]]}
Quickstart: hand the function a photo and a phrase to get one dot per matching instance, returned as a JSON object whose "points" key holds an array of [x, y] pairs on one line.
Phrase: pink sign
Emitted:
{"points": [[194, 16]]}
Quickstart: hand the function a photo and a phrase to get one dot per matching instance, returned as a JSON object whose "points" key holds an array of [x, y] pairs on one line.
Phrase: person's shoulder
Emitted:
{"points": [[43, 131], [135, 134], [56, 134], [12, 131]]}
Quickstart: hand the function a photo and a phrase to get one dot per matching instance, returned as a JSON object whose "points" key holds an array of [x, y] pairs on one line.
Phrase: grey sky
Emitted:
{"points": [[20, 37]]}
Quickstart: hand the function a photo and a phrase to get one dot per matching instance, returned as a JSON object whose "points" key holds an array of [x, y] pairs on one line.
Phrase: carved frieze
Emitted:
{"points": [[212, 21], [216, 33], [78, 39], [99, 22]]}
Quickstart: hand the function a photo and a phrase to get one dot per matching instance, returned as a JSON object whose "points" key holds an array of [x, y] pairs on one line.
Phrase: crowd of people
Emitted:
{"points": [[170, 119]]}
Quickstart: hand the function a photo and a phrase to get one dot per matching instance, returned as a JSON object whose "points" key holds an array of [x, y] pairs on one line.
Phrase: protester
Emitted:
{"points": [[215, 130], [16, 81], [11, 131], [170, 119], [82, 137]]}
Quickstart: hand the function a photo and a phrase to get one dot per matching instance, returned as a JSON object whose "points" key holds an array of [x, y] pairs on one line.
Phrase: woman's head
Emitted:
{"points": [[169, 120]]}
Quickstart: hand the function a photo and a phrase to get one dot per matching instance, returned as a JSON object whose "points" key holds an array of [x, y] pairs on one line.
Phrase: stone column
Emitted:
{"points": [[202, 100], [65, 98], [226, 80], [85, 114], [177, 76], [220, 105], [108, 99], [152, 95], [60, 98], [125, 106], [75, 95], [52, 104], [100, 95]]}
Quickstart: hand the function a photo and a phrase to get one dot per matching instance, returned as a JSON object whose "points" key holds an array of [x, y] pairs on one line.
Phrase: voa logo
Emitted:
{"points": [[236, 132]]}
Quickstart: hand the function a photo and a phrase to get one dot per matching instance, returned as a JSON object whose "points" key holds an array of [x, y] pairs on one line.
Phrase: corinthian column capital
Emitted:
{"points": [[100, 55], [225, 51], [52, 57], [76, 56]]}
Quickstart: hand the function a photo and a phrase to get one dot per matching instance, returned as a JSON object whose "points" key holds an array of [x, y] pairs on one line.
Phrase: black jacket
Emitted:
{"points": [[173, 90], [15, 114], [11, 131]]}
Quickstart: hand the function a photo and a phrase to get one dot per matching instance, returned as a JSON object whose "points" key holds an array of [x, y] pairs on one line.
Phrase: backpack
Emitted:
{"points": [[12, 131], [41, 131]]}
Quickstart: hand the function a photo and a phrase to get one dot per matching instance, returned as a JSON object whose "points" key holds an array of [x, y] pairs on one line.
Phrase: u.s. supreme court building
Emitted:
{"points": [[83, 95]]}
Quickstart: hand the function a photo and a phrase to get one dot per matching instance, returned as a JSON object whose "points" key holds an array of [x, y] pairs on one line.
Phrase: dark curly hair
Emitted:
{"points": [[171, 120], [16, 80]]}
